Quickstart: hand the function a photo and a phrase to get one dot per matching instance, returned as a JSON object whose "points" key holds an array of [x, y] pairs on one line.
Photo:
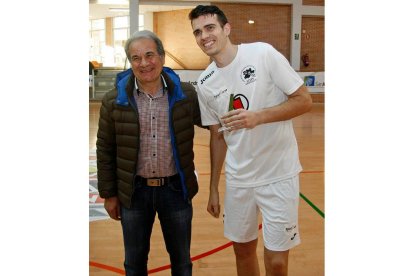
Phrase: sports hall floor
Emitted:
{"points": [[212, 254]]}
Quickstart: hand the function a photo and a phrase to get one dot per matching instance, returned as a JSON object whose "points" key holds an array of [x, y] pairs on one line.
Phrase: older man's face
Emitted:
{"points": [[146, 63]]}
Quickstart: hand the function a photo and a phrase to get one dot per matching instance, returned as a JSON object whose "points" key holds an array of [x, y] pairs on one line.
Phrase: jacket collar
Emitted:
{"points": [[125, 83]]}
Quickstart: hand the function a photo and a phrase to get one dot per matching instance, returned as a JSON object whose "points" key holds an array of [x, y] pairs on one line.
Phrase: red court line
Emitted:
{"points": [[158, 269], [215, 250], [161, 268], [107, 267]]}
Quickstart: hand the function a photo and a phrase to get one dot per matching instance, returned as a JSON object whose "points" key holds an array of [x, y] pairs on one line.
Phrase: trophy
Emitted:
{"points": [[220, 108]]}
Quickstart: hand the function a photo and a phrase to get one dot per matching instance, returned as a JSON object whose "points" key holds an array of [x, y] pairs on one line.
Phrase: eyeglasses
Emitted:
{"points": [[148, 57]]}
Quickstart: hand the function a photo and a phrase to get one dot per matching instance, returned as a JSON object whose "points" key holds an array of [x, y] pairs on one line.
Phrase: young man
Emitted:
{"points": [[262, 165], [145, 155]]}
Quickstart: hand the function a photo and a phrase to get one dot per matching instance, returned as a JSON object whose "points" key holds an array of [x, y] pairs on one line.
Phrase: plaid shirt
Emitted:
{"points": [[155, 157]]}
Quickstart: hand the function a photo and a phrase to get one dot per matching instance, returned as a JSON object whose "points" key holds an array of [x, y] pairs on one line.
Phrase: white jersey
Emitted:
{"points": [[258, 77]]}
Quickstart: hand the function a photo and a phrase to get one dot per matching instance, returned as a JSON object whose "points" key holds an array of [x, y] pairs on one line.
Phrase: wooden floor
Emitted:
{"points": [[208, 244]]}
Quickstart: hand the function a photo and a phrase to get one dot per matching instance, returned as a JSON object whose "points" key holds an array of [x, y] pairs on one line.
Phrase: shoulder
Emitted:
{"points": [[108, 104], [188, 89], [207, 75], [256, 45], [211, 68], [257, 50], [110, 96], [267, 52]]}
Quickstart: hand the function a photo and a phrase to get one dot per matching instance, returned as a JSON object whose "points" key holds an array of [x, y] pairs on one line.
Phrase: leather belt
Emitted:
{"points": [[157, 181]]}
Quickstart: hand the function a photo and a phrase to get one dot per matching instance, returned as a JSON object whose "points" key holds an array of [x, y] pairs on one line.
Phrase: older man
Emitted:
{"points": [[145, 155]]}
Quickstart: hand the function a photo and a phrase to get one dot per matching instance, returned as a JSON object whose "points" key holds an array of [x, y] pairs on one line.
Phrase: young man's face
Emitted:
{"points": [[209, 35]]}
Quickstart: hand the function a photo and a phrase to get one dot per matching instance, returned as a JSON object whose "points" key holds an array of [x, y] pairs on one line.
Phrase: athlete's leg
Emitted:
{"points": [[246, 258], [276, 262], [279, 206]]}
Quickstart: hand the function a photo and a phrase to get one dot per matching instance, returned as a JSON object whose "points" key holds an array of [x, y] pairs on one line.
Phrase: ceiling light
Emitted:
{"points": [[251, 21]]}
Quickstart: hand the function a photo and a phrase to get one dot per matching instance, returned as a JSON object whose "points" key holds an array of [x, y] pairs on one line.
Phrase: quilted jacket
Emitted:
{"points": [[118, 136]]}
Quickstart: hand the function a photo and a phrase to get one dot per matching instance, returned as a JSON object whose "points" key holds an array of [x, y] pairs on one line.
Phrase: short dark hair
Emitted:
{"points": [[210, 9]]}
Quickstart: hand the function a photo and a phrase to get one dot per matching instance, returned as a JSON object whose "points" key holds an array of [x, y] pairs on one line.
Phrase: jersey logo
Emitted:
{"points": [[206, 77], [248, 74], [240, 101]]}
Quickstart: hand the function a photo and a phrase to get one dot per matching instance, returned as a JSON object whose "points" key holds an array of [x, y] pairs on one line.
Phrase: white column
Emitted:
{"points": [[296, 30], [133, 16]]}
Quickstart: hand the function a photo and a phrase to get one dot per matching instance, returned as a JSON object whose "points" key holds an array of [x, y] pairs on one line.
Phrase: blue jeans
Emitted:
{"points": [[175, 215]]}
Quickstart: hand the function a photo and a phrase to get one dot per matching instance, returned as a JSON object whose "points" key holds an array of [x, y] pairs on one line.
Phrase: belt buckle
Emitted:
{"points": [[155, 182]]}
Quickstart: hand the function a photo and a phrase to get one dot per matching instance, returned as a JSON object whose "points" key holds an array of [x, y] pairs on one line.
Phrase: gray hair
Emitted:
{"points": [[144, 34]]}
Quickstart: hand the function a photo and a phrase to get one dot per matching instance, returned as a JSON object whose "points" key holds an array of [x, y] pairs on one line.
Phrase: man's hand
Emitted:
{"points": [[298, 103], [213, 206], [113, 207], [240, 118]]}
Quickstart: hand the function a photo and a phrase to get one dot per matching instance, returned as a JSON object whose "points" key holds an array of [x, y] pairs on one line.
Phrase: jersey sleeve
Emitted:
{"points": [[284, 76]]}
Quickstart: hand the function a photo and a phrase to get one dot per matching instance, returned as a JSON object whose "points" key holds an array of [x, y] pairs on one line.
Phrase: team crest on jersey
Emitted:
{"points": [[240, 101], [248, 74]]}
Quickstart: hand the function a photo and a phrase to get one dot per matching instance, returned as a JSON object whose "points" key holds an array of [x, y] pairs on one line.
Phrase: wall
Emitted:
{"points": [[276, 24], [174, 30], [272, 24], [313, 43]]}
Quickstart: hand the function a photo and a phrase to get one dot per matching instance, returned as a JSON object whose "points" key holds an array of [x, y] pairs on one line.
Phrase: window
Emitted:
{"points": [[107, 54], [121, 34], [97, 39]]}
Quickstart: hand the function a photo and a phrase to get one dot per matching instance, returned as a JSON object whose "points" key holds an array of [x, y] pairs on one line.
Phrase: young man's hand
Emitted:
{"points": [[213, 206]]}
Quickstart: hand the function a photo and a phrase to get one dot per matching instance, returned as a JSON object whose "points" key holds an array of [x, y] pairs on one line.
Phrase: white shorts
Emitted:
{"points": [[278, 202]]}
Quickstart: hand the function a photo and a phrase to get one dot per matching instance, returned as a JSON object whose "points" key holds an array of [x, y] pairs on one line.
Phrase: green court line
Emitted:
{"points": [[313, 205]]}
